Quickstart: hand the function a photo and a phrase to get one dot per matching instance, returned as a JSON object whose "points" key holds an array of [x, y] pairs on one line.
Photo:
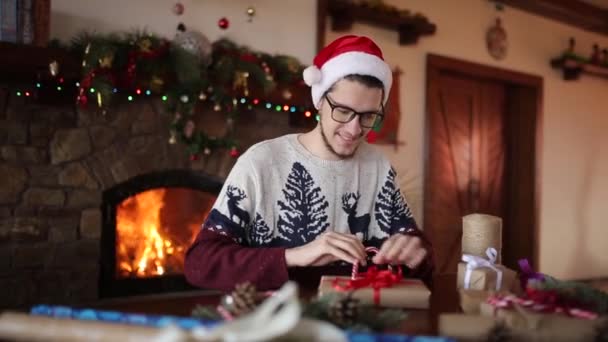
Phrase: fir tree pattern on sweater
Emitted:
{"points": [[278, 195], [392, 213], [260, 234], [302, 217]]}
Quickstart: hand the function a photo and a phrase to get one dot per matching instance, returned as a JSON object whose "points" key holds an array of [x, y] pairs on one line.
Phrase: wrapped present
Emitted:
{"points": [[471, 300], [535, 317], [379, 287], [403, 293], [478, 273], [548, 328]]}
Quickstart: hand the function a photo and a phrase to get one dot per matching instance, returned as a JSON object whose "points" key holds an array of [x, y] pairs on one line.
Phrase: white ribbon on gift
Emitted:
{"points": [[474, 262]]}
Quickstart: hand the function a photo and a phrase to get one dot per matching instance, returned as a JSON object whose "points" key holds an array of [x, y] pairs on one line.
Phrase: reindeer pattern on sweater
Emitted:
{"points": [[279, 194]]}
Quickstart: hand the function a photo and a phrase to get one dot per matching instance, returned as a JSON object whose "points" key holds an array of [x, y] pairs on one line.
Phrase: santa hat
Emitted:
{"points": [[345, 56]]}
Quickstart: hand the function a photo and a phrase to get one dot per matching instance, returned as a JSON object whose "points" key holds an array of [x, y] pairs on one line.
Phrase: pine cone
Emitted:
{"points": [[343, 310], [242, 300], [499, 333]]}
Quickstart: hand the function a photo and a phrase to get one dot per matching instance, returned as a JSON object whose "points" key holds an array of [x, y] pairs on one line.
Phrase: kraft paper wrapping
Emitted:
{"points": [[22, 327], [550, 328], [522, 324], [484, 278], [408, 294], [480, 231], [470, 300]]}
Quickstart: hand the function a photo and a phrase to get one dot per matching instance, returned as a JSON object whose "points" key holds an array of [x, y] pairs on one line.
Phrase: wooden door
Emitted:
{"points": [[465, 158]]}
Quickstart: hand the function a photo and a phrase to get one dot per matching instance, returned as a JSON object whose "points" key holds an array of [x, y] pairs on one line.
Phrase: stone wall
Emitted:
{"points": [[55, 164]]}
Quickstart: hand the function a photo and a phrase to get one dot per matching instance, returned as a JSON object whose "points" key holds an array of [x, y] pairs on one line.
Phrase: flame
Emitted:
{"points": [[140, 248], [151, 239]]}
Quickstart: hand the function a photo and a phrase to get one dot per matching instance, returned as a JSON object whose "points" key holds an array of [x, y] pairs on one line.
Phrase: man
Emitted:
{"points": [[318, 198]]}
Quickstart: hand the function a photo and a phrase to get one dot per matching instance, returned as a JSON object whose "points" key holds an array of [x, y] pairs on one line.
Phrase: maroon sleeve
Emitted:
{"points": [[216, 261], [425, 270]]}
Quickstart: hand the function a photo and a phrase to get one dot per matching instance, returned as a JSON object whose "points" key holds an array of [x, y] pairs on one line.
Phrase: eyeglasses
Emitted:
{"points": [[343, 114]]}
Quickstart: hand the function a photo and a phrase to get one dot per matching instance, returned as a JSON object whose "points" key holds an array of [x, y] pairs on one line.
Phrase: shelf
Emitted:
{"points": [[410, 26], [572, 69]]}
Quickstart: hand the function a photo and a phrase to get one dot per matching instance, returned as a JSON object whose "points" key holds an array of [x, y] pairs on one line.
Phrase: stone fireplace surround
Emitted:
{"points": [[56, 162]]}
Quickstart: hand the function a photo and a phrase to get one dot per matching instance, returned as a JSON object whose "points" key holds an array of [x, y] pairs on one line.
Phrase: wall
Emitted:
{"points": [[575, 119], [574, 116], [274, 28]]}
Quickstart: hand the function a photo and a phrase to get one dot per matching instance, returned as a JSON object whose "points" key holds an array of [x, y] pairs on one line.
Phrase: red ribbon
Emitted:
{"points": [[541, 301], [373, 278]]}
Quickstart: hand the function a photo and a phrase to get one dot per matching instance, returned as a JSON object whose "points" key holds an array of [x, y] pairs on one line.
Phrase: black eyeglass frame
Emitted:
{"points": [[377, 120]]}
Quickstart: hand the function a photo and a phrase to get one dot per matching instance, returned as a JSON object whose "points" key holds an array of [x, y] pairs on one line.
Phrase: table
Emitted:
{"points": [[444, 298]]}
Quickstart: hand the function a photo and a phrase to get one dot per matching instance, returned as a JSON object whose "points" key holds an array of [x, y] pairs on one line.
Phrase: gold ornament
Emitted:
{"points": [[207, 151], [99, 101], [156, 84], [106, 62], [202, 96], [172, 138], [287, 94], [54, 68], [293, 65], [86, 52], [250, 13], [240, 82], [217, 108], [145, 45]]}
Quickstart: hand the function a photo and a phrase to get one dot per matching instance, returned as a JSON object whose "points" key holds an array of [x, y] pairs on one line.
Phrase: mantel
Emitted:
{"points": [[410, 26], [24, 63]]}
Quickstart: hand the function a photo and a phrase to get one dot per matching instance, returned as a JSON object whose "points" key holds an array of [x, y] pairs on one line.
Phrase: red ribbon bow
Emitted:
{"points": [[373, 278]]}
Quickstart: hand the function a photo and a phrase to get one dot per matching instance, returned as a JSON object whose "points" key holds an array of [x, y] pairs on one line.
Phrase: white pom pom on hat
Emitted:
{"points": [[346, 55], [312, 75]]}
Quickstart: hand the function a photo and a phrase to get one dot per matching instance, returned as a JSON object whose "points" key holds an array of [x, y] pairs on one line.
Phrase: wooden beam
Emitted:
{"points": [[572, 12]]}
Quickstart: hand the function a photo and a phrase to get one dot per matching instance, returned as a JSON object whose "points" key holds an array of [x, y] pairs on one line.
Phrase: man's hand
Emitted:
{"points": [[401, 249], [325, 249]]}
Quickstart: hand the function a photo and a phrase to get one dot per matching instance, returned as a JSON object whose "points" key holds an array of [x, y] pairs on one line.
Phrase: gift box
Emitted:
{"points": [[485, 278], [407, 293], [549, 328]]}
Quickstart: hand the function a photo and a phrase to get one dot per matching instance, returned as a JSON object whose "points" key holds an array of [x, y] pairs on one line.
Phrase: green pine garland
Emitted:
{"points": [[369, 318], [577, 292], [119, 64]]}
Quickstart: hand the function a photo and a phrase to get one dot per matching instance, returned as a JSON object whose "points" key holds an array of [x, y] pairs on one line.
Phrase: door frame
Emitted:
{"points": [[437, 64]]}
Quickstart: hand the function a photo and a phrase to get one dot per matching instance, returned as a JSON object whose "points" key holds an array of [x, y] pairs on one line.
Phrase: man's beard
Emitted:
{"points": [[331, 149]]}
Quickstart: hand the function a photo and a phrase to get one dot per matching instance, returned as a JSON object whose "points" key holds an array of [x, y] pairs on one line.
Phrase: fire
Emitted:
{"points": [[151, 238]]}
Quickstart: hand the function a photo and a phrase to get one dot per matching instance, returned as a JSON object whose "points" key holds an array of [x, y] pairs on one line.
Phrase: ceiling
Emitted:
{"points": [[599, 3]]}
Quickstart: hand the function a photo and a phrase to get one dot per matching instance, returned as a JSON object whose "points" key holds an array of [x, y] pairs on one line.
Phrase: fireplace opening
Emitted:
{"points": [[149, 223]]}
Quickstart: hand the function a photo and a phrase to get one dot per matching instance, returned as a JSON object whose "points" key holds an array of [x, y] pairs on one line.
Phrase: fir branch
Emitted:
{"points": [[577, 292]]}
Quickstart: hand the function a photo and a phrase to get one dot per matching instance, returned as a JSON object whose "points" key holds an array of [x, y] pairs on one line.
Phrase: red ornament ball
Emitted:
{"points": [[194, 157], [223, 23], [83, 100], [234, 152]]}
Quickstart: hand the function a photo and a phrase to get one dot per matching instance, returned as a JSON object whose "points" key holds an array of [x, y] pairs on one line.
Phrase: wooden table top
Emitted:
{"points": [[444, 298]]}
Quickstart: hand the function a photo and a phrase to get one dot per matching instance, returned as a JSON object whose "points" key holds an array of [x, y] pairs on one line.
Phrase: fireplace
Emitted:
{"points": [[148, 223]]}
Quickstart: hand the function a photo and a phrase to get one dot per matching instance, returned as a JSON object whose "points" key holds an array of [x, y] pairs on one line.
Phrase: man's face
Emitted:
{"points": [[342, 139]]}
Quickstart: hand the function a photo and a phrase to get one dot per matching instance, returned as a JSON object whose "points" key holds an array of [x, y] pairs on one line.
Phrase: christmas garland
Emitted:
{"points": [[181, 72], [337, 308]]}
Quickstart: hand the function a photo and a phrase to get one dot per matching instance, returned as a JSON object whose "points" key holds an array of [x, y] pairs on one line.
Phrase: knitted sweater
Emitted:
{"points": [[279, 195]]}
